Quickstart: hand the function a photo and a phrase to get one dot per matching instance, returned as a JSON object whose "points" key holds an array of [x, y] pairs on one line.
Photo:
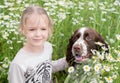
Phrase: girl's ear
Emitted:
{"points": [[22, 31]]}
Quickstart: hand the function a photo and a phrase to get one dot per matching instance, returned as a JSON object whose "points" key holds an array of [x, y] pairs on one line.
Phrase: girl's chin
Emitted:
{"points": [[38, 44]]}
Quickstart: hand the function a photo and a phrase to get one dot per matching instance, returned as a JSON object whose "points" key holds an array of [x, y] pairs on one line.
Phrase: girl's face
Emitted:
{"points": [[36, 30]]}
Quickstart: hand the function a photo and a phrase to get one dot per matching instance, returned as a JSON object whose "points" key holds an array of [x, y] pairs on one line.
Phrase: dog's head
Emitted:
{"points": [[81, 43]]}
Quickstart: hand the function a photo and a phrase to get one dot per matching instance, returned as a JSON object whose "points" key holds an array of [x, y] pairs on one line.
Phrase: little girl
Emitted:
{"points": [[32, 63]]}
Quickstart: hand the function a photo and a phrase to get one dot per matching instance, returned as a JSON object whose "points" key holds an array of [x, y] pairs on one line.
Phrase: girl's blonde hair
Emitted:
{"points": [[35, 9]]}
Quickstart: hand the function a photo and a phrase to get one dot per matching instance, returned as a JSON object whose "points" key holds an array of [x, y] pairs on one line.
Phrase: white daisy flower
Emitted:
{"points": [[97, 67], [99, 43], [106, 68], [71, 69], [86, 68], [118, 36], [109, 79]]}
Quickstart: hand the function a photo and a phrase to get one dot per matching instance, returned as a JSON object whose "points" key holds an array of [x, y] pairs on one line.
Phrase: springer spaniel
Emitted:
{"points": [[80, 45]]}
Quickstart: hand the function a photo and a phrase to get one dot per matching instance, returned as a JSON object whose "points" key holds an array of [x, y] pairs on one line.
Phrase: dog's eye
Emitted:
{"points": [[88, 38], [78, 35]]}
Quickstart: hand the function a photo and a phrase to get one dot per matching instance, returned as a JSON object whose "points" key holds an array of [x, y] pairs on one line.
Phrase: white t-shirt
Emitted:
{"points": [[34, 68]]}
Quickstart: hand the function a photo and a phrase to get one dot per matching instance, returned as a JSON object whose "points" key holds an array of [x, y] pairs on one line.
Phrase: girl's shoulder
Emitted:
{"points": [[20, 57], [48, 46]]}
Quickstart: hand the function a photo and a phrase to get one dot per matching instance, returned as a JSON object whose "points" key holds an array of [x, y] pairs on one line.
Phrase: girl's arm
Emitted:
{"points": [[59, 65]]}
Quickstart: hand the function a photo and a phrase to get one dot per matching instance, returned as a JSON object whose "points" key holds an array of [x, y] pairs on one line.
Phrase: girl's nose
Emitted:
{"points": [[38, 33]]}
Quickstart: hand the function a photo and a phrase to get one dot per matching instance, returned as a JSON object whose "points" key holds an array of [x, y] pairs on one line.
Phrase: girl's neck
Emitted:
{"points": [[33, 49]]}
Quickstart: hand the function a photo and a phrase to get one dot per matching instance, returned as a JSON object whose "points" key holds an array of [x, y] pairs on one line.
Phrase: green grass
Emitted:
{"points": [[101, 15]]}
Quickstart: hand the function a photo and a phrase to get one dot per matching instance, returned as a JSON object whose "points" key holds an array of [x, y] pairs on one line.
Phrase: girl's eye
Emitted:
{"points": [[43, 29], [31, 29]]}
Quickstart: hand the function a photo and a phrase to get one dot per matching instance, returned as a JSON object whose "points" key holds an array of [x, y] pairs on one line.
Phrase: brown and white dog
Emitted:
{"points": [[81, 43]]}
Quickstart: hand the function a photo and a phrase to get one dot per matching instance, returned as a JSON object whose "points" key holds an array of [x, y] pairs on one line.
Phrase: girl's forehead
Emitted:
{"points": [[37, 20]]}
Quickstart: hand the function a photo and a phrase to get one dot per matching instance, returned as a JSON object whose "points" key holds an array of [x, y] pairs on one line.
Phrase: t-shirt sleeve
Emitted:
{"points": [[15, 74], [59, 65]]}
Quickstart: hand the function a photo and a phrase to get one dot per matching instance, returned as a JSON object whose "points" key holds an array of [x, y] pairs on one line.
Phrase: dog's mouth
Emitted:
{"points": [[80, 58]]}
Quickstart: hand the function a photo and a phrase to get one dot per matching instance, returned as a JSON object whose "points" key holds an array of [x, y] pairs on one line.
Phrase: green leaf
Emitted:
{"points": [[83, 79]]}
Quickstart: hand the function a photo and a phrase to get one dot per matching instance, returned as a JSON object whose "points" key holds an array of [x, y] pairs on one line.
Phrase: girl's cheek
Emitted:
{"points": [[29, 34]]}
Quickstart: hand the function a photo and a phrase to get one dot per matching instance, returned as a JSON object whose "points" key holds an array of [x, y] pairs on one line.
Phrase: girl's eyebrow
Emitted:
{"points": [[31, 27]]}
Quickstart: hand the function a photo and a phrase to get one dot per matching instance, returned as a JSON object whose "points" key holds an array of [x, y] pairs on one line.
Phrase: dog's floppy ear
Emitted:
{"points": [[69, 56], [100, 39], [96, 37]]}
